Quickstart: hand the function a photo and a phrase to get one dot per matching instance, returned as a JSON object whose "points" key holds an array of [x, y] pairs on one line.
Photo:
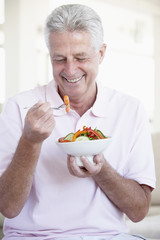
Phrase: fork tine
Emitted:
{"points": [[60, 107], [55, 108]]}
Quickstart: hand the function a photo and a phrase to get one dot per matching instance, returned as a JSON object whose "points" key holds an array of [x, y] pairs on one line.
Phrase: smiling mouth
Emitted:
{"points": [[73, 80]]}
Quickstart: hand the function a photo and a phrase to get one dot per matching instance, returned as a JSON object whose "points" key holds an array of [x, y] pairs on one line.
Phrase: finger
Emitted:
{"points": [[69, 163], [46, 117], [45, 125], [36, 105], [42, 116], [40, 121], [99, 159], [48, 126], [43, 109], [50, 123], [74, 169], [92, 169]]}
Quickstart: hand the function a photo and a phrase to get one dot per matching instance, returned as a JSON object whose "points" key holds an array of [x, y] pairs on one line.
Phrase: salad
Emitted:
{"points": [[83, 135]]}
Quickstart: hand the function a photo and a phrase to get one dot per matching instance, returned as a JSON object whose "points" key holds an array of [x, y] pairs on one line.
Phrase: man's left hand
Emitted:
{"points": [[89, 169]]}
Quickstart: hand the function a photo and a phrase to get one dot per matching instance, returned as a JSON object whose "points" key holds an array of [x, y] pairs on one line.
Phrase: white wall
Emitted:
{"points": [[24, 19]]}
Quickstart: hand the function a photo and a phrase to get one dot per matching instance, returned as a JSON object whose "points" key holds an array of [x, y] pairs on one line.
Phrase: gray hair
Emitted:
{"points": [[75, 17]]}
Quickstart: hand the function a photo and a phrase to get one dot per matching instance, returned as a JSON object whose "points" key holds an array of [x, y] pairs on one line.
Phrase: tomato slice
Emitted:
{"points": [[61, 140]]}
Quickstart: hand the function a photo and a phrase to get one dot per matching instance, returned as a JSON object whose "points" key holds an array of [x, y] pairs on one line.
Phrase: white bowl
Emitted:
{"points": [[85, 148]]}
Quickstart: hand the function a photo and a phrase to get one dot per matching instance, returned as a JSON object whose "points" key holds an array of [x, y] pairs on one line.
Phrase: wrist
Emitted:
{"points": [[30, 144]]}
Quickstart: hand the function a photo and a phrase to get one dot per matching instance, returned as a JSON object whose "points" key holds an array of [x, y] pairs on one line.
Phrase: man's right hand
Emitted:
{"points": [[39, 122]]}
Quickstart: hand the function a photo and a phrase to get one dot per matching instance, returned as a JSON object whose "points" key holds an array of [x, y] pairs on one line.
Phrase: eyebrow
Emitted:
{"points": [[58, 55], [81, 54]]}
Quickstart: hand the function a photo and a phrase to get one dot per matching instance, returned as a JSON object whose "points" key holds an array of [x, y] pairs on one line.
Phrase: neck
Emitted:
{"points": [[83, 103]]}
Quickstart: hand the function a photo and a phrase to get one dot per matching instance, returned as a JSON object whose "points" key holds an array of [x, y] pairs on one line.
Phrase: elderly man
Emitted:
{"points": [[44, 194]]}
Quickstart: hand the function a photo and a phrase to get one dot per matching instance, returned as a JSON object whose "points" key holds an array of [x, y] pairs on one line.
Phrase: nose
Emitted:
{"points": [[70, 67]]}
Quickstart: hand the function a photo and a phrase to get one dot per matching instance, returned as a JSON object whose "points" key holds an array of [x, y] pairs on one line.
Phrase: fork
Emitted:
{"points": [[54, 108]]}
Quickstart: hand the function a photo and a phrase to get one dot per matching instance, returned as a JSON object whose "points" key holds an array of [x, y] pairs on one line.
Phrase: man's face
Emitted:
{"points": [[75, 63]]}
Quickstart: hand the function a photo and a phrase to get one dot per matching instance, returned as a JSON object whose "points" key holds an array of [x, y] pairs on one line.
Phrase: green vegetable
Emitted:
{"points": [[69, 137]]}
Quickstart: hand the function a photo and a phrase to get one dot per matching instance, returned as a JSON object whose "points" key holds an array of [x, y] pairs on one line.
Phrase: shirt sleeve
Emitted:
{"points": [[10, 133], [140, 165]]}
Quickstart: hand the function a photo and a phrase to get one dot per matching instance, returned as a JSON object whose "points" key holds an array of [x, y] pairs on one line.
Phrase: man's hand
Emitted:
{"points": [[39, 122], [126, 194], [89, 169]]}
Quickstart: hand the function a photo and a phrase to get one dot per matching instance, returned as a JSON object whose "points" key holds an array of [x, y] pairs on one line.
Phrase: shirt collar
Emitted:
{"points": [[101, 105]]}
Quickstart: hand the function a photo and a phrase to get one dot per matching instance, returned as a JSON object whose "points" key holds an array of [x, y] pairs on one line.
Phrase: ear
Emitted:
{"points": [[102, 51]]}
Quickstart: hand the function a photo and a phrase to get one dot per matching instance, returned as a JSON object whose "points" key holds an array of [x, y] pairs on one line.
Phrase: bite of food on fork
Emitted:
{"points": [[65, 105]]}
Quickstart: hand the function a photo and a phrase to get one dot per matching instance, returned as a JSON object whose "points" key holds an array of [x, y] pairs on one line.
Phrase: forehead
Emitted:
{"points": [[75, 42]]}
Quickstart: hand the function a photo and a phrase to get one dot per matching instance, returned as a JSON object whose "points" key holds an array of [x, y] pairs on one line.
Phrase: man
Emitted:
{"points": [[44, 194]]}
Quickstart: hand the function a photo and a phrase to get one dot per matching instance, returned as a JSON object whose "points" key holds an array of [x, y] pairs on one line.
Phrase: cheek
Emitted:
{"points": [[93, 70], [56, 70], [91, 66]]}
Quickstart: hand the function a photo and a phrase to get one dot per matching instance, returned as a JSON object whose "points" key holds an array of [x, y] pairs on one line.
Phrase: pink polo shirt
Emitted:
{"points": [[60, 204]]}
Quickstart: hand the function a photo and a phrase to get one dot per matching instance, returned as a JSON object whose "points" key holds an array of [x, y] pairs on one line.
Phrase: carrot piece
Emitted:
{"points": [[66, 100], [77, 134], [68, 108]]}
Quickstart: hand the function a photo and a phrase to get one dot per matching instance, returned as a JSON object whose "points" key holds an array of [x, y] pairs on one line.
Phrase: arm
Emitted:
{"points": [[130, 197], [16, 181]]}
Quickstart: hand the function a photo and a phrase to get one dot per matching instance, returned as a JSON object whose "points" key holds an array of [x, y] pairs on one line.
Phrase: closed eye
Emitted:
{"points": [[81, 59], [62, 60]]}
